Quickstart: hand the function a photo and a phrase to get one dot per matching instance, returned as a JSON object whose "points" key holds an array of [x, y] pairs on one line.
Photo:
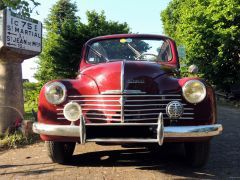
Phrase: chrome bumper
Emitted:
{"points": [[162, 132]]}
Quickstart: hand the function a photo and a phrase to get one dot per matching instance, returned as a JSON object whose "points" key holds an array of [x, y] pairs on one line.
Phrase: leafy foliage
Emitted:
{"points": [[23, 7], [210, 32], [65, 37], [31, 93]]}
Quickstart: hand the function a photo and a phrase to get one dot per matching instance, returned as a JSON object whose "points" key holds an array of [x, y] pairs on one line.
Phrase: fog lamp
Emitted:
{"points": [[72, 111]]}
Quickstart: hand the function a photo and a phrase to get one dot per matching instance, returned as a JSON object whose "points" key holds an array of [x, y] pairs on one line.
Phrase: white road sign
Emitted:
{"points": [[22, 32]]}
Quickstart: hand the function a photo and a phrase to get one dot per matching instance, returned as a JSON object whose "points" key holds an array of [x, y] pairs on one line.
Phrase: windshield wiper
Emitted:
{"points": [[98, 53], [136, 52]]}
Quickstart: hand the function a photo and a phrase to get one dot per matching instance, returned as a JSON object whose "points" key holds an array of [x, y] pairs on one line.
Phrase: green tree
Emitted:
{"points": [[210, 32], [23, 7], [65, 37]]}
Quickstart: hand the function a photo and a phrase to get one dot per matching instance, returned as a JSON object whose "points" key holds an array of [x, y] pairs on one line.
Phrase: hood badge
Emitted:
{"points": [[138, 81]]}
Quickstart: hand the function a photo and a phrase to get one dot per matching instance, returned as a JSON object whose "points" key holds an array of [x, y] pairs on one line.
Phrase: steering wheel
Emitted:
{"points": [[144, 54]]}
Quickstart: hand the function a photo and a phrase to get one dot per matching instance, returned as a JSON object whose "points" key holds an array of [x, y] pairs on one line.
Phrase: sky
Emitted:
{"points": [[142, 16]]}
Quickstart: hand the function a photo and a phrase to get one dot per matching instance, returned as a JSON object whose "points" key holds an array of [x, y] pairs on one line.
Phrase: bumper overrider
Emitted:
{"points": [[200, 131]]}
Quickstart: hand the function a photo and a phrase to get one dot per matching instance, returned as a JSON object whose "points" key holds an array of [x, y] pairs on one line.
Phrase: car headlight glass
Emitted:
{"points": [[55, 93], [194, 91], [72, 111]]}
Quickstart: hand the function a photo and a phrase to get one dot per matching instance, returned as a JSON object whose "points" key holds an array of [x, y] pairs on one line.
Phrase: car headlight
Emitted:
{"points": [[72, 111], [194, 91], [55, 93]]}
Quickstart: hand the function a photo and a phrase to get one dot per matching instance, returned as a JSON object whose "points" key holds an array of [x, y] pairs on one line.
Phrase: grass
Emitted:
{"points": [[16, 139]]}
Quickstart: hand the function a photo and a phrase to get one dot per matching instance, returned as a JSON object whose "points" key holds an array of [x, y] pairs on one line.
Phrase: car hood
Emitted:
{"points": [[127, 76]]}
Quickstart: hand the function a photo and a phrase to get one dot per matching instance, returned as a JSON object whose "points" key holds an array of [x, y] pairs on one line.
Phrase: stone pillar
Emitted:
{"points": [[11, 94]]}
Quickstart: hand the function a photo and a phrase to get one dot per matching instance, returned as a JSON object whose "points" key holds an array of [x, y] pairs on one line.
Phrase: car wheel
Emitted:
{"points": [[197, 153], [60, 152]]}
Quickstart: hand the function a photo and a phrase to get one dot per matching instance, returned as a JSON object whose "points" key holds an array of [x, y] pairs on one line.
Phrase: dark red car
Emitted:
{"points": [[128, 91]]}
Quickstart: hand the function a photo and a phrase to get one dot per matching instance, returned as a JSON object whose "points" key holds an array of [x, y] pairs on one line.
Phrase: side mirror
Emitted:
{"points": [[193, 69]]}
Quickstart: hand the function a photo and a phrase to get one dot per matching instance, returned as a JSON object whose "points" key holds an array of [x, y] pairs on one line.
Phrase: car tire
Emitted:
{"points": [[197, 153], [60, 152]]}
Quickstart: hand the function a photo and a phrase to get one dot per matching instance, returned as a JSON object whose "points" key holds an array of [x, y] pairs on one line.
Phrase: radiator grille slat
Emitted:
{"points": [[130, 108]]}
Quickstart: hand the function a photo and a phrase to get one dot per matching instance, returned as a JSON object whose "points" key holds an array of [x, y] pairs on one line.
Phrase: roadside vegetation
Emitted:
{"points": [[209, 30], [16, 139]]}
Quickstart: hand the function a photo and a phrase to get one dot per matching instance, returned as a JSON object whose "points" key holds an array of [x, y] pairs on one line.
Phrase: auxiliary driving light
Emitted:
{"points": [[72, 111]]}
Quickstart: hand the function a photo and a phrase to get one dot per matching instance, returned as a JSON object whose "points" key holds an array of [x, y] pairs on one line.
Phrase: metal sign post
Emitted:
{"points": [[20, 39]]}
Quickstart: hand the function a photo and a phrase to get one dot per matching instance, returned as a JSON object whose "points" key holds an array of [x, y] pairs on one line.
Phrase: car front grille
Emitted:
{"points": [[126, 108]]}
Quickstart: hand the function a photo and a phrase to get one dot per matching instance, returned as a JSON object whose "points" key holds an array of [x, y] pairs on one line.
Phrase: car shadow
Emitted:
{"points": [[169, 159]]}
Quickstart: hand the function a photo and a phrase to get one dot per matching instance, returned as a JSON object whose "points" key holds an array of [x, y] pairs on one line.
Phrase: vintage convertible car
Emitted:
{"points": [[128, 90]]}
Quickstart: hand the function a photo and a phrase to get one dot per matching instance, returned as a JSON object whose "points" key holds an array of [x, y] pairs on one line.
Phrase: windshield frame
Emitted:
{"points": [[174, 62], [134, 51]]}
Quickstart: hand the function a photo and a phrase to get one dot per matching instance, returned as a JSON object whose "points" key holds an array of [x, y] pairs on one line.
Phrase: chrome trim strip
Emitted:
{"points": [[111, 92], [117, 91], [147, 95], [122, 124], [160, 109], [117, 105], [147, 100], [142, 119], [170, 131], [133, 92], [105, 114], [128, 110], [129, 120], [149, 114], [93, 109], [117, 120], [94, 100], [139, 105]]}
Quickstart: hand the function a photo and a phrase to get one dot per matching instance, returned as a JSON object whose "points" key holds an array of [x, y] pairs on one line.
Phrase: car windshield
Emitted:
{"points": [[138, 49]]}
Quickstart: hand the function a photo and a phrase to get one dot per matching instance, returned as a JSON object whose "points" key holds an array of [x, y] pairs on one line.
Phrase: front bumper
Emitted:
{"points": [[162, 132]]}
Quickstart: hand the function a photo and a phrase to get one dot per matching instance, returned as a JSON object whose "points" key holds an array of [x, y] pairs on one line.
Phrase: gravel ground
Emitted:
{"points": [[115, 162]]}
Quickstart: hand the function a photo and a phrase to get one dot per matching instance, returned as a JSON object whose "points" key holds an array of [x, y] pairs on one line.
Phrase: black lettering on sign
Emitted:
{"points": [[9, 28], [35, 27], [16, 29], [29, 26], [16, 23], [8, 38], [23, 23]]}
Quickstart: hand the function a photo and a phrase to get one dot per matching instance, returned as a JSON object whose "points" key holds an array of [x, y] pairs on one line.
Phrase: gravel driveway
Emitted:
{"points": [[115, 162]]}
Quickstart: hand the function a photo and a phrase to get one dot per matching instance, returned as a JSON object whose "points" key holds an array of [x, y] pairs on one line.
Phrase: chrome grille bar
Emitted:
{"points": [[126, 108]]}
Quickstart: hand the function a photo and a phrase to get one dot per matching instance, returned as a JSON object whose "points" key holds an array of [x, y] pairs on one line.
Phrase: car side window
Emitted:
{"points": [[165, 53]]}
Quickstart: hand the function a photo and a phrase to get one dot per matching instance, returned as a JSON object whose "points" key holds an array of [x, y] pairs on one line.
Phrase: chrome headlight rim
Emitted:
{"points": [[66, 115], [54, 84], [201, 98]]}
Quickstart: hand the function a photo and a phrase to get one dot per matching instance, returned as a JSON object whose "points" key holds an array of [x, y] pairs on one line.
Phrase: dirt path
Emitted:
{"points": [[114, 162]]}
